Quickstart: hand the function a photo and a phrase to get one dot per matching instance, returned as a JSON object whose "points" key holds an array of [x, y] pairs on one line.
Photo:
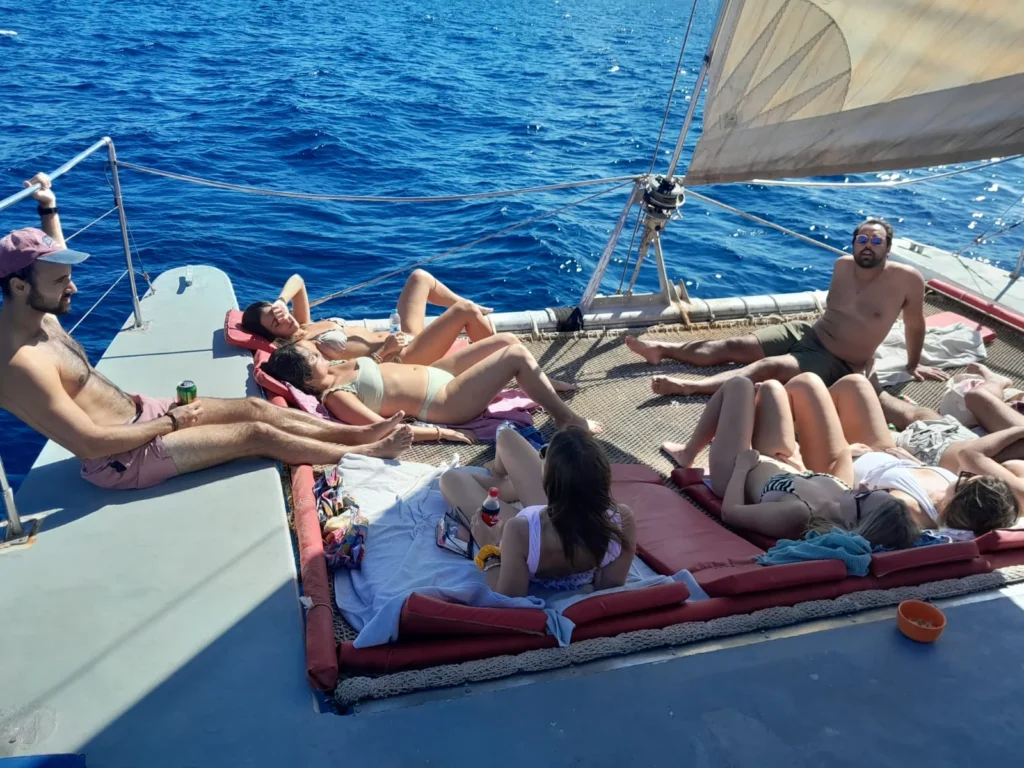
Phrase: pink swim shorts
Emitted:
{"points": [[142, 467]]}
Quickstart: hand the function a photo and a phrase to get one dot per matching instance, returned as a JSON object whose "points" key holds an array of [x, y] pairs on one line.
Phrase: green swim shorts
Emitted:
{"points": [[799, 340]]}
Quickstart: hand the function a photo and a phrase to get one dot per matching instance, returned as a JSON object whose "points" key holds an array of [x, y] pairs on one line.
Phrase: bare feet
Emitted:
{"points": [[392, 446], [993, 380], [651, 351], [679, 454], [382, 429], [593, 427], [563, 386], [667, 385]]}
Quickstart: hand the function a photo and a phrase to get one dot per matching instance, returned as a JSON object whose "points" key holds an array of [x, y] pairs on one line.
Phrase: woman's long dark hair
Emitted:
{"points": [[578, 484], [289, 365], [251, 320]]}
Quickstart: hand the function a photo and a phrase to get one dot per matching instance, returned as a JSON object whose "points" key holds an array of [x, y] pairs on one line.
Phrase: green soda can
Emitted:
{"points": [[187, 392]]}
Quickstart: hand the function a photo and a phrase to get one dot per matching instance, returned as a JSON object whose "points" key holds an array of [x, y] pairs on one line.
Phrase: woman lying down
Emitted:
{"points": [[454, 390], [771, 483], [569, 533], [419, 344]]}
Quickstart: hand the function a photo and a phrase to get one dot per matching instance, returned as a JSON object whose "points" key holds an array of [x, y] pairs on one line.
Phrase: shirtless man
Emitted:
{"points": [[134, 441], [866, 295]]}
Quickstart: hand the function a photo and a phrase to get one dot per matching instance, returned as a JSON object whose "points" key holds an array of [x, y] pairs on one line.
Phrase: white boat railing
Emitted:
{"points": [[15, 529]]}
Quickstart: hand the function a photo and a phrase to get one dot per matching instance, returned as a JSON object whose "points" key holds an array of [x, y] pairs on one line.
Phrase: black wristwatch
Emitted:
{"points": [[47, 211]]}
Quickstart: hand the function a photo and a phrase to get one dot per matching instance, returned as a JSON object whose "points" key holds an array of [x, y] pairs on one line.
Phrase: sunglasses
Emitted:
{"points": [[962, 477], [874, 240]]}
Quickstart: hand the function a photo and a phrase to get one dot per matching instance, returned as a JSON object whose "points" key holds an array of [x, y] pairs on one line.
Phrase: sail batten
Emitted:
{"points": [[820, 87]]}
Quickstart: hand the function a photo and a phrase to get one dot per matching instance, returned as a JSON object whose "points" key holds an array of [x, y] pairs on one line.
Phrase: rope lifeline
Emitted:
{"points": [[371, 198], [401, 270], [94, 221]]}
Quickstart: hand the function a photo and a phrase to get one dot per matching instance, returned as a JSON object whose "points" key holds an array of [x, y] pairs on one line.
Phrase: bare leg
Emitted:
{"points": [[741, 349], [207, 446], [464, 491], [468, 356], [899, 413], [990, 410], [860, 412], [423, 288], [432, 343], [254, 410], [733, 434], [774, 431], [820, 433], [781, 368], [466, 396], [994, 383]]}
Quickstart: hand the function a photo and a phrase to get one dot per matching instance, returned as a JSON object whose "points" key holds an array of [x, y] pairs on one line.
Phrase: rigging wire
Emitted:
{"points": [[672, 89], [94, 221], [98, 302], [506, 230], [372, 198]]}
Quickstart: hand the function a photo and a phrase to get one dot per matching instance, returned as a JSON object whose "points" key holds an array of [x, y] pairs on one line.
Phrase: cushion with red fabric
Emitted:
{"points": [[1000, 540], [746, 579], [707, 499], [239, 337], [267, 381], [673, 535], [943, 319], [635, 473], [605, 605], [425, 615], [883, 563]]}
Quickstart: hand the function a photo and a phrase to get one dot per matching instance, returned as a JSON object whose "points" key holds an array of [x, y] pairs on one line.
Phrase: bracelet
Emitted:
{"points": [[281, 299], [485, 552], [438, 433], [174, 421], [47, 211], [492, 562]]}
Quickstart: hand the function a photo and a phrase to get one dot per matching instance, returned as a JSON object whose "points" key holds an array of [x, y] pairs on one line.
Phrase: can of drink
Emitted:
{"points": [[187, 392]]}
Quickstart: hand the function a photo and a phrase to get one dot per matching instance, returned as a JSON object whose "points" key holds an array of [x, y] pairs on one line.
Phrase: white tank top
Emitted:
{"points": [[880, 471]]}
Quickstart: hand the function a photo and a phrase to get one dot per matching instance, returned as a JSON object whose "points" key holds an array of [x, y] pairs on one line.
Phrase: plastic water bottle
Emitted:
{"points": [[502, 427], [491, 507], [395, 322]]}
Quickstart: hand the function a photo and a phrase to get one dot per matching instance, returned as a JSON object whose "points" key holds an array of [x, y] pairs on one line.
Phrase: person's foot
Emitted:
{"points": [[991, 378], [653, 352], [667, 385], [679, 454], [593, 427], [563, 386], [382, 429], [392, 446]]}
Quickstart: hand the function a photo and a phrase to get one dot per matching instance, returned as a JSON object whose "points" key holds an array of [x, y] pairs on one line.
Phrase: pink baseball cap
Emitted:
{"points": [[25, 246]]}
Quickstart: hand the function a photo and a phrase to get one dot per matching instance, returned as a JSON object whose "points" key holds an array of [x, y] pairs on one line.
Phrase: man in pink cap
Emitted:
{"points": [[134, 441]]}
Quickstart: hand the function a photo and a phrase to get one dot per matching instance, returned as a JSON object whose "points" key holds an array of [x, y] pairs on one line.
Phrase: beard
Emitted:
{"points": [[59, 307], [868, 259]]}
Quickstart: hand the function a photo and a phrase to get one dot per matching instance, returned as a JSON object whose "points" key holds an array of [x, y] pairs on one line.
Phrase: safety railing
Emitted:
{"points": [[15, 529]]}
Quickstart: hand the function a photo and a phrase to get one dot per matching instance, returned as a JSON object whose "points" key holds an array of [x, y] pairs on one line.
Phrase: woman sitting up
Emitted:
{"points": [[569, 533], [981, 498], [454, 390], [770, 483], [337, 341]]}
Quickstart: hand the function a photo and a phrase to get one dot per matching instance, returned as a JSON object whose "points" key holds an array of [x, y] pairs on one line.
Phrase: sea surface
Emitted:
{"points": [[404, 98]]}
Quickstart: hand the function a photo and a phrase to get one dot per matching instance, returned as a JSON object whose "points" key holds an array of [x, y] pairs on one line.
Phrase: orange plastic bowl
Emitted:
{"points": [[919, 621]]}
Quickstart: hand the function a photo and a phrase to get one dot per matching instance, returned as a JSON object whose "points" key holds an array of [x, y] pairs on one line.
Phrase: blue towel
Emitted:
{"points": [[926, 539], [851, 548], [532, 435]]}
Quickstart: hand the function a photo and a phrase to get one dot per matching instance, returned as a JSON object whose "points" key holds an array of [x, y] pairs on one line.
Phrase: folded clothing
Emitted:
{"points": [[851, 548]]}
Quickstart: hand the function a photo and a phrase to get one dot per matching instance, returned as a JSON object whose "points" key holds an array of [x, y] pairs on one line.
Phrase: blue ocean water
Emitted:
{"points": [[416, 97]]}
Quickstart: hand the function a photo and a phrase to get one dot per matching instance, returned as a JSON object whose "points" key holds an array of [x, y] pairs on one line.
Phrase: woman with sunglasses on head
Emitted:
{"points": [[967, 492], [569, 533], [778, 486]]}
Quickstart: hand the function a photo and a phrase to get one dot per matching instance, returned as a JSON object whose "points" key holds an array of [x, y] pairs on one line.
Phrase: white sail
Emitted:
{"points": [[816, 87]]}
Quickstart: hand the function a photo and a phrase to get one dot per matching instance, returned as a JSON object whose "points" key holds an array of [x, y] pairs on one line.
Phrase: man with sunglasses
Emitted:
{"points": [[866, 295]]}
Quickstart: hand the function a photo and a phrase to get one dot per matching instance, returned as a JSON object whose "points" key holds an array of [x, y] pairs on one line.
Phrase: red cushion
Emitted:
{"points": [[237, 335], [605, 606], [690, 476], [1000, 540], [885, 563], [745, 579], [424, 615], [942, 319], [635, 473], [265, 380], [672, 534], [707, 499]]}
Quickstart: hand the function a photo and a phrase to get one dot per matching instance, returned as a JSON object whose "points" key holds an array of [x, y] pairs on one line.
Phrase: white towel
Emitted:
{"points": [[951, 346]]}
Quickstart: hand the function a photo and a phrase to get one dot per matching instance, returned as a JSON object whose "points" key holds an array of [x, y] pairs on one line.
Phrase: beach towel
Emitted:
{"points": [[402, 503], [851, 548], [951, 346]]}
